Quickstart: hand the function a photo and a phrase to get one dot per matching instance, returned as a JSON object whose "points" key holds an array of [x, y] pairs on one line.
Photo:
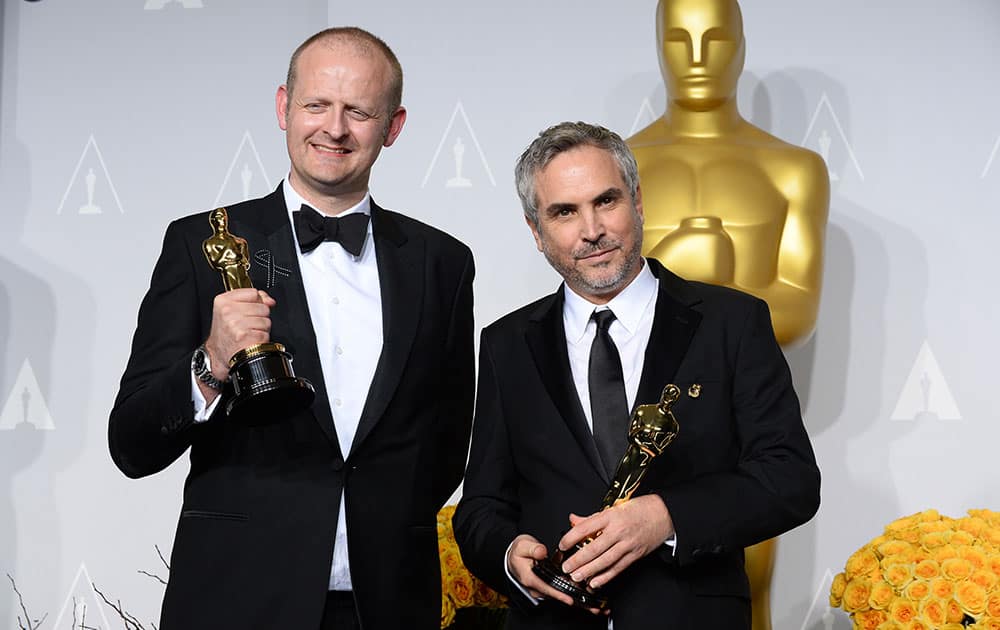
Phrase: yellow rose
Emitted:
{"points": [[936, 526], [971, 597], [917, 624], [891, 547], [954, 612], [933, 540], [462, 591], [902, 611], [869, 619], [929, 515], [993, 562], [993, 605], [447, 612], [975, 556], [856, 595], [911, 535], [917, 590], [899, 575], [927, 569], [451, 561], [974, 525], [837, 590], [905, 556], [933, 612], [962, 538], [985, 578], [944, 553], [956, 569], [485, 596], [992, 536], [861, 562], [942, 588], [900, 524], [881, 595]]}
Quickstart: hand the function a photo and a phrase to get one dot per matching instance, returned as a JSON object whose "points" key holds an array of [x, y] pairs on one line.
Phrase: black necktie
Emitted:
{"points": [[608, 405], [312, 228]]}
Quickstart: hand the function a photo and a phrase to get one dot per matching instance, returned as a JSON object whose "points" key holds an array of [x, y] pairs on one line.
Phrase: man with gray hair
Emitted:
{"points": [[557, 381]]}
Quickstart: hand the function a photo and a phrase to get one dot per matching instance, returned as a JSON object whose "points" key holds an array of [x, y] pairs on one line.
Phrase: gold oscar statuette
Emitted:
{"points": [[264, 385], [651, 429], [726, 202]]}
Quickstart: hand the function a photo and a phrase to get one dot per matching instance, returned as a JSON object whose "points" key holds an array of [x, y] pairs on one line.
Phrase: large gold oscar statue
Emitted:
{"points": [[726, 202]]}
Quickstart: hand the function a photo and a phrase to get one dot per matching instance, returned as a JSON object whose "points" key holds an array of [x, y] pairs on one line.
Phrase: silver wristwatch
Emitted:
{"points": [[201, 367]]}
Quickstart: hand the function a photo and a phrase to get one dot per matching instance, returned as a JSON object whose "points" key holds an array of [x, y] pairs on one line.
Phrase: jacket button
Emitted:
{"points": [[338, 464], [164, 430]]}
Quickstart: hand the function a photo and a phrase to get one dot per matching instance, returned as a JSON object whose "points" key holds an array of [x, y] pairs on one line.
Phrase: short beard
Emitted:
{"points": [[576, 279]]}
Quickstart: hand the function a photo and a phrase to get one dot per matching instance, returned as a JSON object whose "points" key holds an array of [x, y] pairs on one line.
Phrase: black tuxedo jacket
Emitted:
{"points": [[740, 471], [256, 532]]}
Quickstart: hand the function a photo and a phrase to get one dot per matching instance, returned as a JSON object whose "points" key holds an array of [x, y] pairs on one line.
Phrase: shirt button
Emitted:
{"points": [[336, 300], [340, 350], [337, 402]]}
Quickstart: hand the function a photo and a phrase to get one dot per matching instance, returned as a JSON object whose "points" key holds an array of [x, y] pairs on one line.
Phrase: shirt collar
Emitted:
{"points": [[294, 201], [628, 306]]}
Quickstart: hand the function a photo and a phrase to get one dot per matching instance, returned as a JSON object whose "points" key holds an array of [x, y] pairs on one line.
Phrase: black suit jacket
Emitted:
{"points": [[740, 471], [256, 532]]}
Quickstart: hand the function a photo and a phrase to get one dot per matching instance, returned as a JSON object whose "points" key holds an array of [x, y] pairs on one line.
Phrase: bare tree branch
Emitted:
{"points": [[27, 618], [130, 621], [154, 576], [160, 553]]}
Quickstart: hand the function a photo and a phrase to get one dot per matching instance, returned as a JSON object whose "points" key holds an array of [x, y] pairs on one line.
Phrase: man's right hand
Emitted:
{"points": [[524, 551], [521, 557], [240, 319]]}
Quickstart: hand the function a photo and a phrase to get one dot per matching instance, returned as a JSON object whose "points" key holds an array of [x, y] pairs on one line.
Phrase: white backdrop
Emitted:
{"points": [[118, 115]]}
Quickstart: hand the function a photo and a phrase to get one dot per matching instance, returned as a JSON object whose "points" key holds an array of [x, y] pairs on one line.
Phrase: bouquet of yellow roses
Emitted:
{"points": [[459, 588], [925, 572]]}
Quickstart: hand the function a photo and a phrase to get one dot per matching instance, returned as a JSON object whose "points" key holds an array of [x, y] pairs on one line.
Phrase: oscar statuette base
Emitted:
{"points": [[583, 596], [265, 387]]}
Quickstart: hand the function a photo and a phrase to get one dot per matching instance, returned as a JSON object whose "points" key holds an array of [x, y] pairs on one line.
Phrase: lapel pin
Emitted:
{"points": [[694, 391]]}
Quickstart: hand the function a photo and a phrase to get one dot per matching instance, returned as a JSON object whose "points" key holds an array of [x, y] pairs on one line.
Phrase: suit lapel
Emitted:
{"points": [[275, 268], [674, 325], [546, 338], [401, 282]]}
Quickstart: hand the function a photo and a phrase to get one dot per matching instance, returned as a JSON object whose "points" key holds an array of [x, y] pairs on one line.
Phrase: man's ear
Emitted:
{"points": [[534, 232], [395, 126], [281, 107]]}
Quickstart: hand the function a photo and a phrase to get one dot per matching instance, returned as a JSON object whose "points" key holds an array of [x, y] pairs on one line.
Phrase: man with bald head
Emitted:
{"points": [[316, 518]]}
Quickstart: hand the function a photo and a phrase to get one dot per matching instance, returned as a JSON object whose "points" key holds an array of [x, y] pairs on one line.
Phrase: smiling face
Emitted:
{"points": [[701, 50], [588, 228], [337, 120]]}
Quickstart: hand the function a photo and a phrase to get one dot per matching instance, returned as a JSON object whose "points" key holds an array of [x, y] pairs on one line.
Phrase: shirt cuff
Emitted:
{"points": [[202, 410], [672, 543], [506, 569]]}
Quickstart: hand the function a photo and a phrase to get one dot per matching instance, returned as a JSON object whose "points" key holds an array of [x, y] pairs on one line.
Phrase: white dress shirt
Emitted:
{"points": [[633, 308], [345, 306]]}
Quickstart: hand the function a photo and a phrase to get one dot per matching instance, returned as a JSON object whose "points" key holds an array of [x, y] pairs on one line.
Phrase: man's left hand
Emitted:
{"points": [[621, 535]]}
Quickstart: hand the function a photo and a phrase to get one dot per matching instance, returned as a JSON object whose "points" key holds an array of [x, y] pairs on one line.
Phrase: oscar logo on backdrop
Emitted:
{"points": [[726, 202]]}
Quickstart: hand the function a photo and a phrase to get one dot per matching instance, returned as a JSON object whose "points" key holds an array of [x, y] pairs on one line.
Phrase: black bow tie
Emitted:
{"points": [[312, 228]]}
